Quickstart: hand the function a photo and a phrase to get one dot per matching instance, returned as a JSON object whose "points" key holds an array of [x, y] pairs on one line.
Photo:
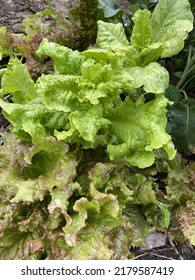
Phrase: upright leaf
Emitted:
{"points": [[171, 21], [66, 61], [111, 36], [18, 82], [142, 31]]}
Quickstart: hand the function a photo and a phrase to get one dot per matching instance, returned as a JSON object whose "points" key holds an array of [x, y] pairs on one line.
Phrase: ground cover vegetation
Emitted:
{"points": [[99, 149]]}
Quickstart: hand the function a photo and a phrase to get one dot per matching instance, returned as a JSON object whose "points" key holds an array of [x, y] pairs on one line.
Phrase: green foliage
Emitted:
{"points": [[83, 98], [88, 168], [181, 125], [109, 8], [181, 115], [75, 28]]}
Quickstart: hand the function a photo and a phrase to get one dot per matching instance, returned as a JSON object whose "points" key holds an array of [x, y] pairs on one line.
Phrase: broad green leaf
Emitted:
{"points": [[166, 13], [111, 36], [18, 82], [104, 56], [66, 61], [88, 123], [33, 120], [142, 32], [173, 43], [95, 82], [58, 92], [142, 158], [171, 21], [151, 53], [153, 77], [31, 113], [161, 34], [85, 125], [156, 79], [109, 8], [138, 131], [181, 118], [170, 149]]}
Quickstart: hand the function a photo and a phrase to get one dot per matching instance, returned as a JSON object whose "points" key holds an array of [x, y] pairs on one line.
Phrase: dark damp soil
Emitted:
{"points": [[171, 251], [3, 122], [12, 12]]}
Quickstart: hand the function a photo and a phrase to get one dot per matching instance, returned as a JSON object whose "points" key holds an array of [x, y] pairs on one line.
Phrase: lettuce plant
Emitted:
{"points": [[71, 183]]}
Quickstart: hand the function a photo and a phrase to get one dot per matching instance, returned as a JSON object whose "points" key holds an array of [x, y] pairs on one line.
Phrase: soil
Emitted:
{"points": [[12, 13], [171, 251]]}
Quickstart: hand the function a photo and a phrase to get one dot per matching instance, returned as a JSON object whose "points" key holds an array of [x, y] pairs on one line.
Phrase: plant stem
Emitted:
{"points": [[189, 67]]}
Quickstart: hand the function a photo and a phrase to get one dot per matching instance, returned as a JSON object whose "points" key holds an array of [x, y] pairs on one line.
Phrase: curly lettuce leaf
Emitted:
{"points": [[138, 131], [66, 61], [29, 175], [32, 121], [162, 33], [153, 77], [85, 127], [92, 225], [18, 82], [36, 170], [187, 222], [58, 92]]}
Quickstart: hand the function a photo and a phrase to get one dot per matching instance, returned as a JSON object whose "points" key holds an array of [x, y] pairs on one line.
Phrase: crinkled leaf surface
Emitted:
{"points": [[65, 60], [18, 82], [138, 131], [153, 77], [162, 33], [187, 221], [61, 203]]}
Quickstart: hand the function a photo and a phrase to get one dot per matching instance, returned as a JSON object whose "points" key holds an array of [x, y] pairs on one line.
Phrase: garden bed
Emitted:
{"points": [[89, 134]]}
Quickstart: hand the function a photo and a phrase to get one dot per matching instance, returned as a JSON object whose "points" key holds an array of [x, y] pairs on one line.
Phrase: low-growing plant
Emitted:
{"points": [[81, 168]]}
